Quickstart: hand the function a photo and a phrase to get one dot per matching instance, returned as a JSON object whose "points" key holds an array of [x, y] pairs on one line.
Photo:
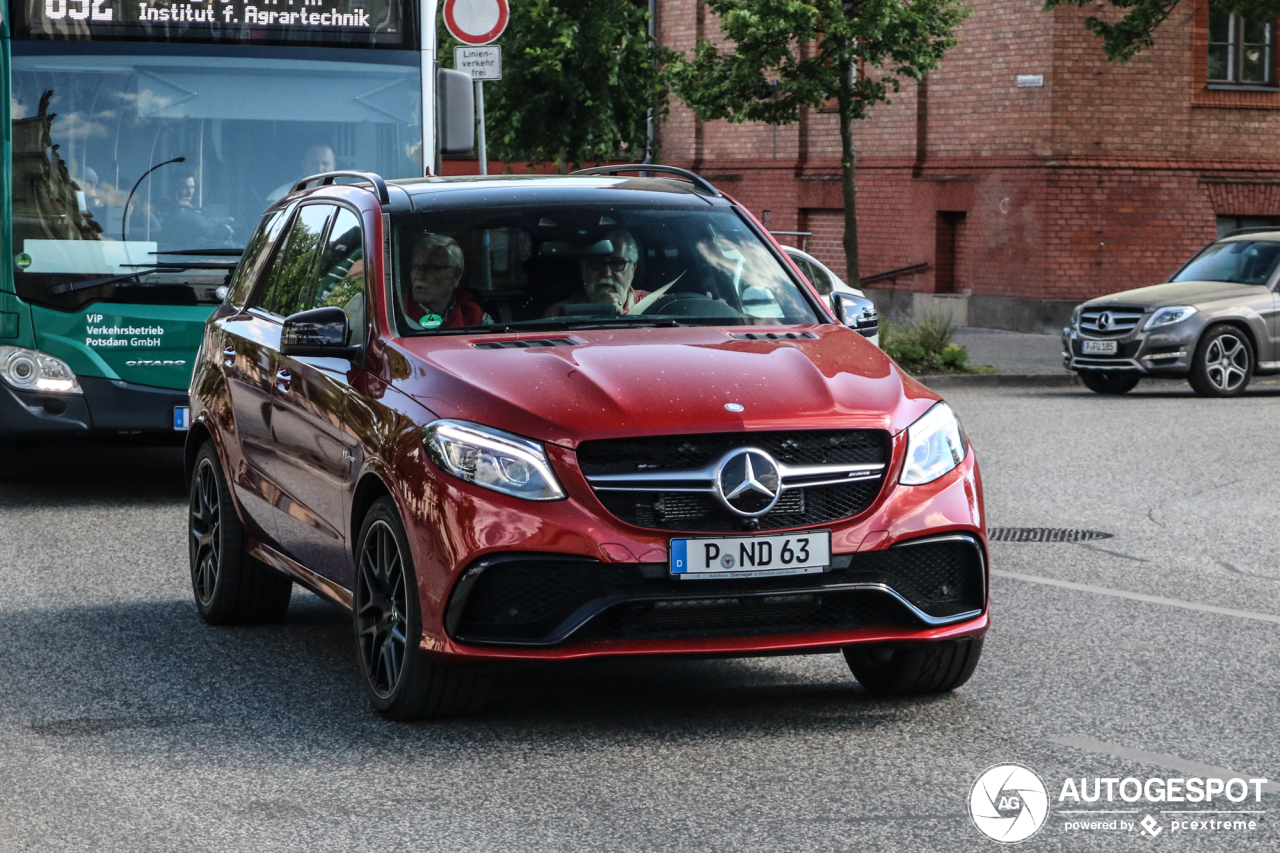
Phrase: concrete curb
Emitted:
{"points": [[995, 380]]}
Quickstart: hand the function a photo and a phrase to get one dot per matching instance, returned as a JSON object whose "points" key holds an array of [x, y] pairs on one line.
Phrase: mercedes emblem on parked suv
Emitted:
{"points": [[747, 482], [1104, 320]]}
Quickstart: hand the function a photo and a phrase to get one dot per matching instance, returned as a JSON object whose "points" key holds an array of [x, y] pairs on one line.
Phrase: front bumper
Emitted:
{"points": [[107, 408], [1165, 352], [612, 594]]}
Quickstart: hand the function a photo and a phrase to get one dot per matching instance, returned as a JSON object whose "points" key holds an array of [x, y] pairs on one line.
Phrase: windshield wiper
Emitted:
{"points": [[89, 284], [209, 253]]}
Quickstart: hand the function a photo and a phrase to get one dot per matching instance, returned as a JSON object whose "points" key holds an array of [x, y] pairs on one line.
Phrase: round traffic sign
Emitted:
{"points": [[476, 21]]}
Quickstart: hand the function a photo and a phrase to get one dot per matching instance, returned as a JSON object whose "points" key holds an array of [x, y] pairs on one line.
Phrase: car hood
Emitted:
{"points": [[652, 381], [1178, 293]]}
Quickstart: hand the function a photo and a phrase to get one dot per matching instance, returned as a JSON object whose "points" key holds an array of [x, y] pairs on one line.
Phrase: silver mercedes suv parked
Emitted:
{"points": [[1214, 323]]}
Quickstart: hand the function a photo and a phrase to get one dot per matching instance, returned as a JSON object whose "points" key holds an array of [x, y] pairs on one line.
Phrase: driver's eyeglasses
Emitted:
{"points": [[615, 264], [427, 269]]}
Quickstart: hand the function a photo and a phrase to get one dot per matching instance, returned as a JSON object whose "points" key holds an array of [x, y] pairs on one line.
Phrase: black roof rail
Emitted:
{"points": [[1256, 229], [693, 177], [326, 179]]}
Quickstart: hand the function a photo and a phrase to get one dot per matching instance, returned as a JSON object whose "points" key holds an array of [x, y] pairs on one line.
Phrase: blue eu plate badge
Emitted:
{"points": [[182, 417]]}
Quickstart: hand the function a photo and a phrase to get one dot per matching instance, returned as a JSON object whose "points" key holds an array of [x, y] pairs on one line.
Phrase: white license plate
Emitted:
{"points": [[182, 417], [751, 556], [1099, 347]]}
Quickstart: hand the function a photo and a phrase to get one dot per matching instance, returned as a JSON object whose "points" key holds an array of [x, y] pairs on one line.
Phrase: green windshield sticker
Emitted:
{"points": [[23, 260], [431, 321]]}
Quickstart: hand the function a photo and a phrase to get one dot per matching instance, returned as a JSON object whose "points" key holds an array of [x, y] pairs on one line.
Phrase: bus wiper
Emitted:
{"points": [[89, 284], [208, 253]]}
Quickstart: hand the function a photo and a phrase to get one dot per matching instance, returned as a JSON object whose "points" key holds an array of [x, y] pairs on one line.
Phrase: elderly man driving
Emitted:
{"points": [[435, 301], [607, 278]]}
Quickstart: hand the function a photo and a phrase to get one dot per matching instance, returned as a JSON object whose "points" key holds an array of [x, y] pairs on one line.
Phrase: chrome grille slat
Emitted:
{"points": [[1121, 319]]}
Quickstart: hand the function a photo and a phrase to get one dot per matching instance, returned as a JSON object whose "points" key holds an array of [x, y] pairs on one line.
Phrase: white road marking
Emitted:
{"points": [[1159, 759], [1138, 596]]}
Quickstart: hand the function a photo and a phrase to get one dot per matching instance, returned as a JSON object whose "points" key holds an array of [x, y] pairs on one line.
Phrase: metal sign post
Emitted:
{"points": [[428, 9], [482, 63], [475, 23]]}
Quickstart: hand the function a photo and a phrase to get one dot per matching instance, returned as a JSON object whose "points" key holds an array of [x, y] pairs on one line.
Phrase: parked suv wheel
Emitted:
{"points": [[402, 682], [1108, 382], [932, 667], [230, 587], [1223, 363]]}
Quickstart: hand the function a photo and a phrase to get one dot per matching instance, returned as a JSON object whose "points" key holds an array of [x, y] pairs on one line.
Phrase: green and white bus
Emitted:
{"points": [[141, 143]]}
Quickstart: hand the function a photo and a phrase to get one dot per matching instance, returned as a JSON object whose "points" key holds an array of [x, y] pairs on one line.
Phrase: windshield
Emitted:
{"points": [[587, 266], [1243, 262], [204, 143]]}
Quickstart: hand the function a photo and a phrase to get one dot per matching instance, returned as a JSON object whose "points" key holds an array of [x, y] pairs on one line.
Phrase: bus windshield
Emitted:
{"points": [[204, 143]]}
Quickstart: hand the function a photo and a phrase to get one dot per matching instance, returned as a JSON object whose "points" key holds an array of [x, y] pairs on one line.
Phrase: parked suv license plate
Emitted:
{"points": [[751, 556], [1099, 347]]}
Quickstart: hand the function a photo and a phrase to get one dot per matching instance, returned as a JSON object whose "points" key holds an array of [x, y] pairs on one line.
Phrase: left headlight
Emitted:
{"points": [[935, 445], [491, 458], [31, 370], [1169, 316]]}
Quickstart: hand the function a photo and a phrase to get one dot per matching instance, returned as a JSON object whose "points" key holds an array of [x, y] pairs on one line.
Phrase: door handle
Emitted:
{"points": [[283, 378], [229, 355]]}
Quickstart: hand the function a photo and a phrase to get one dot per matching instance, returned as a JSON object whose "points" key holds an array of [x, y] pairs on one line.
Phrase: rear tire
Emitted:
{"points": [[936, 666], [1109, 383], [1223, 363], [230, 587], [402, 682]]}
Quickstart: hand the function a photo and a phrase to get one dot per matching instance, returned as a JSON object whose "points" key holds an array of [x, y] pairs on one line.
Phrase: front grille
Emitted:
{"points": [[547, 599], [747, 616], [701, 511], [1120, 320]]}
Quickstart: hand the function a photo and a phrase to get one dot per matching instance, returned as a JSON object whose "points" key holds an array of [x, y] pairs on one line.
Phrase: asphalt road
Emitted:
{"points": [[127, 724]]}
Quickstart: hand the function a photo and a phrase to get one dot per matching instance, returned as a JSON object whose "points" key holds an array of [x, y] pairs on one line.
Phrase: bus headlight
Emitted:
{"points": [[31, 370]]}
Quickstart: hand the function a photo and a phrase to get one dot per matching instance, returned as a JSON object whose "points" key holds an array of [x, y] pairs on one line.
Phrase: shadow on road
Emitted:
{"points": [[90, 474], [143, 669]]}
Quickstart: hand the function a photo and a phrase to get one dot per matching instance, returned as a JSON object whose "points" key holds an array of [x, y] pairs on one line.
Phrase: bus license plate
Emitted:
{"points": [[182, 417], [751, 557]]}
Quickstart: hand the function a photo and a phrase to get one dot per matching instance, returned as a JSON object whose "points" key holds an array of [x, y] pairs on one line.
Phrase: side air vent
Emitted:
{"points": [[773, 336], [529, 344]]}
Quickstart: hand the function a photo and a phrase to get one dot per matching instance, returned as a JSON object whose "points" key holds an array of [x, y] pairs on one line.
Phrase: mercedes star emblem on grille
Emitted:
{"points": [[1104, 320], [747, 482]]}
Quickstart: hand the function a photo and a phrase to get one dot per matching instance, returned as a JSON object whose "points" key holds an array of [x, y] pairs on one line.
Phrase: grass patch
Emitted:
{"points": [[924, 347]]}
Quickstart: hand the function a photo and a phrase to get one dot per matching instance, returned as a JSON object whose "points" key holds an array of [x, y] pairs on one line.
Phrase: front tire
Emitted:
{"points": [[937, 666], [230, 587], [402, 682], [1109, 382], [1223, 363]]}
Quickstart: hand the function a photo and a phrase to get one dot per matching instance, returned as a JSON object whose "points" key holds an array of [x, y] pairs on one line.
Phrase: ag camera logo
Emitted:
{"points": [[1009, 803]]}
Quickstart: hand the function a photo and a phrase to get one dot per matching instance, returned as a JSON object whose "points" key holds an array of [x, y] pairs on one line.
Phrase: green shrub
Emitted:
{"points": [[923, 346], [955, 356]]}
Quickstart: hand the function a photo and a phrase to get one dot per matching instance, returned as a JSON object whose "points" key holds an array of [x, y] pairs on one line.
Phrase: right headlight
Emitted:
{"points": [[935, 445], [31, 370], [1169, 316], [492, 458]]}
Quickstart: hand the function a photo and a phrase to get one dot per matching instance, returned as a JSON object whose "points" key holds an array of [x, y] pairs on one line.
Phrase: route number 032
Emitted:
{"points": [[77, 10]]}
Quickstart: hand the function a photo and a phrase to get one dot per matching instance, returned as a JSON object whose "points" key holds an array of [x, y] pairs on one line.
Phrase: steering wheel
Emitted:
{"points": [[690, 304]]}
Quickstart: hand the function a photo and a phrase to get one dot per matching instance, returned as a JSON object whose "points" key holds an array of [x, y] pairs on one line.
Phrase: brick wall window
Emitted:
{"points": [[1241, 51]]}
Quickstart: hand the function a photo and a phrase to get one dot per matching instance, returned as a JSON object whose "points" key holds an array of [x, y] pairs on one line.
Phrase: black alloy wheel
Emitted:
{"points": [[1109, 382], [1223, 363], [230, 587], [402, 682], [937, 666]]}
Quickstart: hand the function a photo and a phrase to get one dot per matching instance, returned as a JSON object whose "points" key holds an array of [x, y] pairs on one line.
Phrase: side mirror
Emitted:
{"points": [[318, 333], [457, 111], [856, 312]]}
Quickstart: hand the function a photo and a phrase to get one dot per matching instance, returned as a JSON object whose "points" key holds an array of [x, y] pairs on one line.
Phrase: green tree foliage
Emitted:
{"points": [[787, 55], [579, 79], [1133, 32]]}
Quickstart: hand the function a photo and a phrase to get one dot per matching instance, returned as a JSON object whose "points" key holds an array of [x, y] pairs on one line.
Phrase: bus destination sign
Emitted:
{"points": [[307, 21]]}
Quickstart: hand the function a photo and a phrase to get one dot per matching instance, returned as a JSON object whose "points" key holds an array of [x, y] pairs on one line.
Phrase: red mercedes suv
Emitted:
{"points": [[542, 418]]}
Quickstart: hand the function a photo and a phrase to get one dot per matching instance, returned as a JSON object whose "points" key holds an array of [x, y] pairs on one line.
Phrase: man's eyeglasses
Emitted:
{"points": [[615, 264], [427, 269]]}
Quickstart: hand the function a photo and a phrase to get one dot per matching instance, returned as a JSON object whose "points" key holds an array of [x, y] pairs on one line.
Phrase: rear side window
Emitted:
{"points": [[293, 277]]}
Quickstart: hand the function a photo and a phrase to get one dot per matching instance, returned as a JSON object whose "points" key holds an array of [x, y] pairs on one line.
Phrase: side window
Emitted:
{"points": [[292, 281], [255, 256], [341, 272]]}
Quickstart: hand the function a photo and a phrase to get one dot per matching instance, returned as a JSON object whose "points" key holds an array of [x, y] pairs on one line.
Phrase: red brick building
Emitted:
{"points": [[1028, 172]]}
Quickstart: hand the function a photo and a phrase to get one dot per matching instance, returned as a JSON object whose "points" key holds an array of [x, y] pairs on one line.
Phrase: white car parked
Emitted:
{"points": [[823, 278]]}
